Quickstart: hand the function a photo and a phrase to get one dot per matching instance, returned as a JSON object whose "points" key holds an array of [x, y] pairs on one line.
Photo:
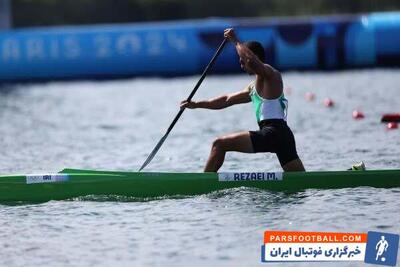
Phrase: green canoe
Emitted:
{"points": [[71, 183]]}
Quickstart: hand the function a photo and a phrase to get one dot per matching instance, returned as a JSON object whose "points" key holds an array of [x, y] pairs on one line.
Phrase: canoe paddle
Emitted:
{"points": [[159, 144]]}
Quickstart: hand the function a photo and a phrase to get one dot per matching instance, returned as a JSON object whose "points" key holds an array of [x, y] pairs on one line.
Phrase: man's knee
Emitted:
{"points": [[219, 144]]}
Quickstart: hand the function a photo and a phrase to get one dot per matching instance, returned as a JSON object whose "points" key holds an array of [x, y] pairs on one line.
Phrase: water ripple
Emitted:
{"points": [[114, 125]]}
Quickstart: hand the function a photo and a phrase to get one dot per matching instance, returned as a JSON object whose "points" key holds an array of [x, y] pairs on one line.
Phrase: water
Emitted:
{"points": [[114, 125]]}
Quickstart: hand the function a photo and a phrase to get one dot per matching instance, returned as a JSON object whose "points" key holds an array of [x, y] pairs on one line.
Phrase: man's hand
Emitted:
{"points": [[188, 104], [231, 35]]}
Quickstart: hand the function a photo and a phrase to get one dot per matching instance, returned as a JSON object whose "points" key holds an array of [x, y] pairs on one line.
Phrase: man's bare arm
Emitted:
{"points": [[220, 102], [247, 56], [253, 62]]}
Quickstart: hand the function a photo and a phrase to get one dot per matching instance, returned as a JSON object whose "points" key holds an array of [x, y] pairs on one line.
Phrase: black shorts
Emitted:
{"points": [[275, 136]]}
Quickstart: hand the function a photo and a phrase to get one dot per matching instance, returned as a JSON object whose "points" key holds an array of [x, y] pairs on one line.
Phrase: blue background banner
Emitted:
{"points": [[185, 47]]}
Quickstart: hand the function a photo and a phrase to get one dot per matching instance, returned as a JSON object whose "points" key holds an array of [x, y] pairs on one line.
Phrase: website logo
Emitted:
{"points": [[291, 246], [382, 248]]}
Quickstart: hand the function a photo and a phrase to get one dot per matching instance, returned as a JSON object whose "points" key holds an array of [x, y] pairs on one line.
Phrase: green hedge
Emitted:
{"points": [[58, 12]]}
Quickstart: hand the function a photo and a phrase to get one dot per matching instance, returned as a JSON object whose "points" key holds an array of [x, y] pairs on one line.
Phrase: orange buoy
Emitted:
{"points": [[328, 102], [358, 115], [309, 96], [392, 125]]}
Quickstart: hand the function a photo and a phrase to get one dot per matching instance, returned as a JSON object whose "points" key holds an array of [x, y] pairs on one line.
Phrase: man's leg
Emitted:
{"points": [[294, 166], [239, 142]]}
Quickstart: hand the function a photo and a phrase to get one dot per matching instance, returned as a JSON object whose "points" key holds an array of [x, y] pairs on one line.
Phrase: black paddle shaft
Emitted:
{"points": [[157, 147]]}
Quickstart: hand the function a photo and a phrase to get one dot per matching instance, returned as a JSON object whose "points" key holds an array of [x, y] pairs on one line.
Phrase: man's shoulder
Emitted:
{"points": [[270, 70]]}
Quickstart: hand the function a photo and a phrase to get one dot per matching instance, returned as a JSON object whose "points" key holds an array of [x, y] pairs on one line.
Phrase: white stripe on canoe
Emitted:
{"points": [[249, 176], [222, 177], [46, 178]]}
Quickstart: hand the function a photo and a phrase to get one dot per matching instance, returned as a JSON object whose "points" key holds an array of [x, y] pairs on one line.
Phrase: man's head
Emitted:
{"points": [[257, 49]]}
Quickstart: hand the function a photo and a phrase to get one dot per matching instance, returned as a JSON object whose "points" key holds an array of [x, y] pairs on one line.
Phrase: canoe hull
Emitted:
{"points": [[149, 185]]}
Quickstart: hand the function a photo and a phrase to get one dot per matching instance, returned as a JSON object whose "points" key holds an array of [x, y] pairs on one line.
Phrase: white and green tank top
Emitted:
{"points": [[267, 109]]}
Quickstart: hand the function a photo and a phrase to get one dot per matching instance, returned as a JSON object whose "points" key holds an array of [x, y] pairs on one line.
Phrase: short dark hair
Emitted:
{"points": [[257, 49]]}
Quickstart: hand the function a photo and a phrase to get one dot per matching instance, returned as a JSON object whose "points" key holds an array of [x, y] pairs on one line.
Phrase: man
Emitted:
{"points": [[270, 105], [381, 247]]}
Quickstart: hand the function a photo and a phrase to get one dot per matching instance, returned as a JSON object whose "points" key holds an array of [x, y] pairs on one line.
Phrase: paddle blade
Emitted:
{"points": [[154, 152]]}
